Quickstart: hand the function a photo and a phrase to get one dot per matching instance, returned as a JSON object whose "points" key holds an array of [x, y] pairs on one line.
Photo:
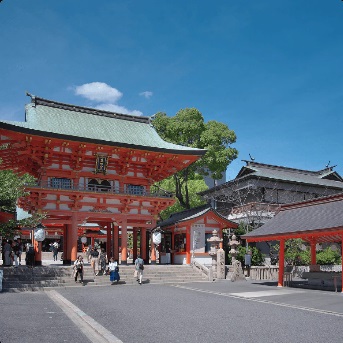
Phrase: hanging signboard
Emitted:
{"points": [[101, 164]]}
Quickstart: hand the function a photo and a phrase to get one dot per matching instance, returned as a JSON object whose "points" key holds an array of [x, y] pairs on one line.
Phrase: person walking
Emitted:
{"points": [[88, 253], [55, 251], [103, 261], [114, 271], [20, 245], [95, 261], [7, 253], [15, 249], [78, 268], [139, 265]]}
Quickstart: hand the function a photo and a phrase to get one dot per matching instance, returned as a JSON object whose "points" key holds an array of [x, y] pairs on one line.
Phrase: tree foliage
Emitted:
{"points": [[196, 185], [12, 187], [187, 128]]}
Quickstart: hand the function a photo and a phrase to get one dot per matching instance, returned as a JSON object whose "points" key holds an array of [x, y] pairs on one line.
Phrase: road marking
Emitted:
{"points": [[268, 293], [92, 329], [235, 296]]}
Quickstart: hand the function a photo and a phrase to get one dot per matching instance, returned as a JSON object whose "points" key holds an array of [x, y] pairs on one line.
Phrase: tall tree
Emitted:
{"points": [[12, 187], [188, 128], [195, 186]]}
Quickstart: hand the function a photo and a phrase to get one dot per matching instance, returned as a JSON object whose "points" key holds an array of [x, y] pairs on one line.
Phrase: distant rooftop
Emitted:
{"points": [[326, 177], [54, 119]]}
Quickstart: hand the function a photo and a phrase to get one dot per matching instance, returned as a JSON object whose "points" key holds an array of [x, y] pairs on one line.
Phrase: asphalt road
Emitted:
{"points": [[222, 311]]}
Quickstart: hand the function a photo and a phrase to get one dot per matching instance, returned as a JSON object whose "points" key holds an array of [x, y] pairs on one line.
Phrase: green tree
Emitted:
{"points": [[188, 128], [12, 187], [195, 186]]}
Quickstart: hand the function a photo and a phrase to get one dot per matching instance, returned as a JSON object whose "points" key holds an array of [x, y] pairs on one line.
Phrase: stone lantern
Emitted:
{"points": [[214, 240], [236, 271], [233, 244]]}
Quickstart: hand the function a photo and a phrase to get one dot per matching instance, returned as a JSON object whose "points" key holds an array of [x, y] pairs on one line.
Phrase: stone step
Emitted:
{"points": [[24, 278]]}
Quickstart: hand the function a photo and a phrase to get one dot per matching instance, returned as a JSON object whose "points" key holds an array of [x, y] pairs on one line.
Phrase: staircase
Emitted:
{"points": [[38, 278]]}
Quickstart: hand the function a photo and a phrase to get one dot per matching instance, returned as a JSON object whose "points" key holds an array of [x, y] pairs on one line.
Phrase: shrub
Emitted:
{"points": [[328, 256]]}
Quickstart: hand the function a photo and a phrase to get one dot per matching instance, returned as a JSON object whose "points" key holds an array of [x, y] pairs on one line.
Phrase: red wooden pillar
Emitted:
{"points": [[188, 245], [152, 251], [116, 243], [143, 245], [65, 244], [124, 242], [38, 252], [135, 245], [313, 252], [281, 262], [73, 237], [108, 241]]}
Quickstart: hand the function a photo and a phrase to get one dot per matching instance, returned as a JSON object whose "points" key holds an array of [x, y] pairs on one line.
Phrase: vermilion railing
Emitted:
{"points": [[101, 189]]}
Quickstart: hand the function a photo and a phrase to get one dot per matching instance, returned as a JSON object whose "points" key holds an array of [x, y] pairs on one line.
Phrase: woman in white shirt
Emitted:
{"points": [[114, 271]]}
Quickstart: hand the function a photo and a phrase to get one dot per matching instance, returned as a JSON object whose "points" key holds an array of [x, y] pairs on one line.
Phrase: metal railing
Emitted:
{"points": [[101, 189]]}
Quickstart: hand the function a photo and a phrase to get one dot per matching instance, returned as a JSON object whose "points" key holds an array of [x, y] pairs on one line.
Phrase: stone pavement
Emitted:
{"points": [[223, 311]]}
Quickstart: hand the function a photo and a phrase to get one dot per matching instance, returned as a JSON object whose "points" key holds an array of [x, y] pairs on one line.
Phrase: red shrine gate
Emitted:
{"points": [[92, 166]]}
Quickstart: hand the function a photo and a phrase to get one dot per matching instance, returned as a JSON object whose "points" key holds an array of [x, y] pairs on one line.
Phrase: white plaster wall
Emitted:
{"points": [[86, 208], [91, 200], [66, 167], [64, 207], [50, 206]]}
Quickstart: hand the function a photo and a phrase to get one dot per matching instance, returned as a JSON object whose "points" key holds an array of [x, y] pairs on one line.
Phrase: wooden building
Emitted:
{"points": [[186, 234], [92, 166], [314, 221]]}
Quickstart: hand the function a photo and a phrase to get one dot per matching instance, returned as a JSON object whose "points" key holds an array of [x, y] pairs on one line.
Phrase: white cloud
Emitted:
{"points": [[106, 97], [146, 94], [118, 109], [99, 92]]}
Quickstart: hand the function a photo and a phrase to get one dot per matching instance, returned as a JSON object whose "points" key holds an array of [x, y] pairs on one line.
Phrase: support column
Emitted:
{"points": [[152, 251], [143, 246], [124, 242], [65, 243], [38, 252], [73, 237], [116, 243], [188, 245], [108, 241], [281, 262], [135, 243], [313, 252]]}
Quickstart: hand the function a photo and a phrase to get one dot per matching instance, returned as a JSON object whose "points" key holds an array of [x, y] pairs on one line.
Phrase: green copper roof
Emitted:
{"points": [[64, 121]]}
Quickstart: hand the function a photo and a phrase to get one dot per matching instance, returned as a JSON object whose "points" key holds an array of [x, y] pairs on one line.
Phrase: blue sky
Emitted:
{"points": [[271, 70]]}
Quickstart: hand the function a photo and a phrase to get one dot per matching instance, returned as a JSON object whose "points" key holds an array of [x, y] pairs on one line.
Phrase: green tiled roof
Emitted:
{"points": [[64, 121]]}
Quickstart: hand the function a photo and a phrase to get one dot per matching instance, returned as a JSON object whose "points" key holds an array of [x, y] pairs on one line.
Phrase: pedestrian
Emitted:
{"points": [[55, 251], [95, 261], [88, 253], [7, 253], [30, 255], [15, 250], [103, 261], [78, 268], [139, 265], [114, 270], [20, 245]]}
